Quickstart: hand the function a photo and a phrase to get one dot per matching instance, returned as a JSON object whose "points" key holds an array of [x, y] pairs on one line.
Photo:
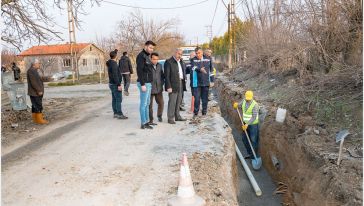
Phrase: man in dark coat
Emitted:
{"points": [[174, 72], [115, 85], [36, 91], [126, 71], [157, 88]]}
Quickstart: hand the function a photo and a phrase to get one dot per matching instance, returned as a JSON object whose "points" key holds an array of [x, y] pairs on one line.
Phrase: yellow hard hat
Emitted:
{"points": [[249, 95]]}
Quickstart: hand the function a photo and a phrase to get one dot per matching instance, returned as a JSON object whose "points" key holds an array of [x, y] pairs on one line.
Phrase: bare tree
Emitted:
{"points": [[30, 21], [132, 32], [7, 57]]}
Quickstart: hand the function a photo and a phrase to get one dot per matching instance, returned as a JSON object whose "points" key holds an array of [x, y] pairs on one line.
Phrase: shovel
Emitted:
{"points": [[257, 161]]}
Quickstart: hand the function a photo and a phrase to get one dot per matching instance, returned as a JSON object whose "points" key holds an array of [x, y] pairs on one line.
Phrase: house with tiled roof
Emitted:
{"points": [[57, 58]]}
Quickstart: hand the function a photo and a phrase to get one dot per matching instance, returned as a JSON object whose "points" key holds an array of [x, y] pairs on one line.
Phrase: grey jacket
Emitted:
{"points": [[158, 79]]}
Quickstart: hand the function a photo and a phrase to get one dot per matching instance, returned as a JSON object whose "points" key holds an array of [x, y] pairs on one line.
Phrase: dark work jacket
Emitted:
{"points": [[16, 72], [125, 65], [202, 78], [158, 79], [171, 73], [144, 68], [35, 82], [114, 72]]}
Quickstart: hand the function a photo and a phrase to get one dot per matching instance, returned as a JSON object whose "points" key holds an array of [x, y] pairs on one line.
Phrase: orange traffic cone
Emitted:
{"points": [[186, 195]]}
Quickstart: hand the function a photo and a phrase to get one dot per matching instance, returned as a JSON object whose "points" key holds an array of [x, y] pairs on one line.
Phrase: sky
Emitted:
{"points": [[101, 20]]}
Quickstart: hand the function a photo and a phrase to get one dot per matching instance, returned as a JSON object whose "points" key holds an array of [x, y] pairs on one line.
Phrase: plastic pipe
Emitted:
{"points": [[251, 178]]}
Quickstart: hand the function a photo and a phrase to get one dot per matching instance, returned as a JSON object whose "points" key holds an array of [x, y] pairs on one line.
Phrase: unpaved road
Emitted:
{"points": [[99, 160], [93, 159]]}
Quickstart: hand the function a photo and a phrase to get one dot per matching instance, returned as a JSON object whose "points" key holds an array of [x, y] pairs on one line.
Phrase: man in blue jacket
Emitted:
{"points": [[201, 68]]}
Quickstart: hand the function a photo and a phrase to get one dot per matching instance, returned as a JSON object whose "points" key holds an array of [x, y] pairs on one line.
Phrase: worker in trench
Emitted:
{"points": [[250, 109]]}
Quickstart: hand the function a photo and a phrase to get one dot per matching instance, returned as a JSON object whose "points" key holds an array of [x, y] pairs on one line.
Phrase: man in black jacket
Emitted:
{"points": [[157, 88], [144, 82], [126, 70], [115, 85], [174, 71]]}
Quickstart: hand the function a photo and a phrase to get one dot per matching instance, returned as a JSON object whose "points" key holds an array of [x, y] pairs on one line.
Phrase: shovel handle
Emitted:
{"points": [[246, 133]]}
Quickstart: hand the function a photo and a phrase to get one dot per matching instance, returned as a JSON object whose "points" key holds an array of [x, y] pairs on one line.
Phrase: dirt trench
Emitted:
{"points": [[307, 173]]}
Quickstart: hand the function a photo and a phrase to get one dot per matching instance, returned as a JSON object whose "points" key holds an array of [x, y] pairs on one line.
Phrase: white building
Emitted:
{"points": [[56, 58]]}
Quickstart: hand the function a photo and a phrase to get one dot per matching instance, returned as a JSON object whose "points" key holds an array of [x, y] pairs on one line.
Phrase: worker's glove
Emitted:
{"points": [[244, 127], [235, 105]]}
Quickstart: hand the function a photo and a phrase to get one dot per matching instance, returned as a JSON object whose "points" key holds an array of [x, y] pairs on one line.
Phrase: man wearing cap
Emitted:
{"points": [[36, 91], [250, 109]]}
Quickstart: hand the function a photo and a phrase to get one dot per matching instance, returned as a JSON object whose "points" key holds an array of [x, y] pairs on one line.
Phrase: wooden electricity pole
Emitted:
{"points": [[229, 33], [72, 35]]}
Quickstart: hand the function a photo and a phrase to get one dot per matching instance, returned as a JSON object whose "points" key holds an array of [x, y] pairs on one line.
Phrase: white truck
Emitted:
{"points": [[186, 50]]}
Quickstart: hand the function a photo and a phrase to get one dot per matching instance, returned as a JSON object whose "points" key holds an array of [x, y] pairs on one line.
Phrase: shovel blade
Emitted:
{"points": [[257, 163]]}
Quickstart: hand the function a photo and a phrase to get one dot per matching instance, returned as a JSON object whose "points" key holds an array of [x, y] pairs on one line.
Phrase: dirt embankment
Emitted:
{"points": [[306, 152], [215, 174]]}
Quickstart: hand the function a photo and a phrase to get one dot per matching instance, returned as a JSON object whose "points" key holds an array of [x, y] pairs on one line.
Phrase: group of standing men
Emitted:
{"points": [[152, 77]]}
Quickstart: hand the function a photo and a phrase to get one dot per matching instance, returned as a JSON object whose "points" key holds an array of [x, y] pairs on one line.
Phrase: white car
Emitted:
{"points": [[61, 75]]}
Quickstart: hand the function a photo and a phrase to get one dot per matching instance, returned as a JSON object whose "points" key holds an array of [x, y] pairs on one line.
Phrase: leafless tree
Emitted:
{"points": [[132, 32], [30, 20], [7, 57]]}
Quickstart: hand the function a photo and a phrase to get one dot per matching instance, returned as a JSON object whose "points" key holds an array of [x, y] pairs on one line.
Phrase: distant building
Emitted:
{"points": [[56, 58]]}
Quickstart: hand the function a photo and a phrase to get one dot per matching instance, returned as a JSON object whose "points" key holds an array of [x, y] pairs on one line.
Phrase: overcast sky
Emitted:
{"points": [[102, 19]]}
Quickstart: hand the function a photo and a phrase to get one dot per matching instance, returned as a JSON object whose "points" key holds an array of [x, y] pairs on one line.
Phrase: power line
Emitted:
{"points": [[221, 26], [213, 17], [138, 7]]}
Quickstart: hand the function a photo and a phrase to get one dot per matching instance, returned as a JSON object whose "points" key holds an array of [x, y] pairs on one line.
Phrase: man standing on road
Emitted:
{"points": [[16, 71], [36, 91], [203, 68], [174, 70], [126, 71], [115, 85], [144, 82], [157, 89]]}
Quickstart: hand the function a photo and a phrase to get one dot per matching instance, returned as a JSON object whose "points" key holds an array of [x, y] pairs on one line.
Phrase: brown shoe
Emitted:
{"points": [[34, 118], [40, 119]]}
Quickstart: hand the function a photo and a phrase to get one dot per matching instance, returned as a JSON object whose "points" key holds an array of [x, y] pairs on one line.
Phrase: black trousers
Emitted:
{"points": [[37, 106], [126, 79], [200, 93]]}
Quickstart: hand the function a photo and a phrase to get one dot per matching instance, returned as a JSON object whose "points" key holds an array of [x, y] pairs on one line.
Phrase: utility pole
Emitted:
{"points": [[230, 35], [209, 33], [233, 33], [72, 35]]}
